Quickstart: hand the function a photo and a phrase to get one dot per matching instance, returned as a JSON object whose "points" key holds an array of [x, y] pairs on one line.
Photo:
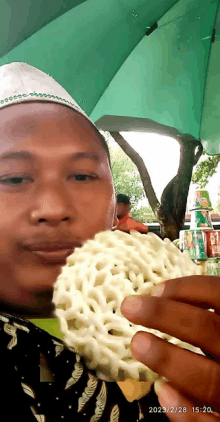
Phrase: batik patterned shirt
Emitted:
{"points": [[74, 395]]}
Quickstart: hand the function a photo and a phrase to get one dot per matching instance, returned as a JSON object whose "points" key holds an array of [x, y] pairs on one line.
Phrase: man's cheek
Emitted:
{"points": [[6, 247]]}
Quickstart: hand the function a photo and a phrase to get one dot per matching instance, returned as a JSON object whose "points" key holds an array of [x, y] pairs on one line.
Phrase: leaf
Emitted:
{"points": [[58, 349], [76, 374], [28, 390], [40, 418], [4, 319], [100, 403], [11, 330], [205, 170], [21, 327], [114, 417], [88, 392]]}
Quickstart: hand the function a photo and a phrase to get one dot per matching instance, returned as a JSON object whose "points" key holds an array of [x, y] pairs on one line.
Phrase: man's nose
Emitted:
{"points": [[52, 207]]}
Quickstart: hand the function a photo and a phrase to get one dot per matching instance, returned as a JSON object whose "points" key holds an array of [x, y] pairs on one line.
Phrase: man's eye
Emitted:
{"points": [[13, 180], [20, 181], [82, 177]]}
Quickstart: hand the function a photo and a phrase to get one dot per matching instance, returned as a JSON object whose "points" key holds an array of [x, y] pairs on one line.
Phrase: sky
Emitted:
{"points": [[161, 155]]}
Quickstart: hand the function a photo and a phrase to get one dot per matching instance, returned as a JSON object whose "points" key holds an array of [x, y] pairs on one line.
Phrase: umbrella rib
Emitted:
{"points": [[207, 68]]}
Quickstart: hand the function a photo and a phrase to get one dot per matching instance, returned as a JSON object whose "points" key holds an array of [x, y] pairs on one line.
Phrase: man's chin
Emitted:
{"points": [[41, 307]]}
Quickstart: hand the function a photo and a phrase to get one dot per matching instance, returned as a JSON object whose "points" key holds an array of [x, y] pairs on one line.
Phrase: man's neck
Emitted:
{"points": [[24, 314]]}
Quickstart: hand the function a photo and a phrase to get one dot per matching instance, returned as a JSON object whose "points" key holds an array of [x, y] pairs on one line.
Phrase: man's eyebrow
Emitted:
{"points": [[21, 155], [27, 156], [85, 155]]}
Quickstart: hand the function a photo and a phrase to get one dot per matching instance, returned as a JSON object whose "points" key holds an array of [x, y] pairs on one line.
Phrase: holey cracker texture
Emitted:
{"points": [[91, 287]]}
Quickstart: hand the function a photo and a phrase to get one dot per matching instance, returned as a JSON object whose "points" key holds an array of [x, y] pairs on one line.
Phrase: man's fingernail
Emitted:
{"points": [[157, 290], [131, 303], [159, 386], [141, 345]]}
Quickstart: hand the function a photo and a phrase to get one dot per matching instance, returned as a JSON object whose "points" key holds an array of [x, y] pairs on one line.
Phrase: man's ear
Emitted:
{"points": [[115, 221]]}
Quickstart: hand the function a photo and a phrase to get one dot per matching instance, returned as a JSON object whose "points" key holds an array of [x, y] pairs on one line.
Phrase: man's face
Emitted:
{"points": [[60, 194], [122, 210]]}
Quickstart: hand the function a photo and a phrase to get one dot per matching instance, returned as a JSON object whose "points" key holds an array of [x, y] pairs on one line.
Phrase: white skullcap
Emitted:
{"points": [[20, 82]]}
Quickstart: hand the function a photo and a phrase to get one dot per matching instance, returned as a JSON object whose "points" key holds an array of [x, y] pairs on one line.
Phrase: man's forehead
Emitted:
{"points": [[55, 124], [31, 156], [26, 119], [32, 111]]}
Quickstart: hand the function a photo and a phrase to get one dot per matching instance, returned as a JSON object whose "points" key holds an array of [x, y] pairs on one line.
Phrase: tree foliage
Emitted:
{"points": [[143, 214], [205, 170], [125, 176]]}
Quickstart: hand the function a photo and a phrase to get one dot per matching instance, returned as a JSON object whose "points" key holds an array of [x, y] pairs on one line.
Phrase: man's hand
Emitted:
{"points": [[182, 311]]}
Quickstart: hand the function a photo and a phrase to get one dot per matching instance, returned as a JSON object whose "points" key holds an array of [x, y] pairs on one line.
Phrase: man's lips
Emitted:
{"points": [[58, 256], [51, 253]]}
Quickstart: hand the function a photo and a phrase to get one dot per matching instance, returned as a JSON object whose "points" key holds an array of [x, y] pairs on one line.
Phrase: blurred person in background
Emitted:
{"points": [[125, 221]]}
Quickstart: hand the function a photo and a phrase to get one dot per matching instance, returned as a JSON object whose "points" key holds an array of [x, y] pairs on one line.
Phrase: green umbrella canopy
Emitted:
{"points": [[100, 53]]}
